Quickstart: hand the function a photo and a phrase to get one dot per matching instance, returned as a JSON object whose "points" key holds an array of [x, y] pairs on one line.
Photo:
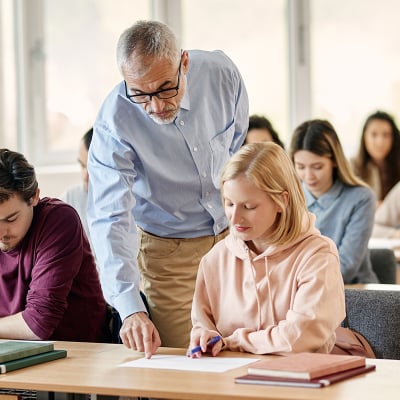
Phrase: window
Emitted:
{"points": [[355, 63], [253, 34], [8, 119], [67, 65], [58, 62]]}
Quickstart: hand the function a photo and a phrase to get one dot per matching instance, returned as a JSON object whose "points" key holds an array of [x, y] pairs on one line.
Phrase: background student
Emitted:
{"points": [[378, 158], [49, 286], [273, 284], [387, 216], [261, 130], [343, 204], [159, 143], [77, 196]]}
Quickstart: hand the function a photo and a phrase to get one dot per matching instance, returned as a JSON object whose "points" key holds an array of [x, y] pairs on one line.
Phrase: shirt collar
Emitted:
{"points": [[326, 199], [185, 102]]}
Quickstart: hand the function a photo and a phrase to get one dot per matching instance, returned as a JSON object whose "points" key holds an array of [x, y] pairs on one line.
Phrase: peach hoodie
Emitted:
{"points": [[288, 299]]}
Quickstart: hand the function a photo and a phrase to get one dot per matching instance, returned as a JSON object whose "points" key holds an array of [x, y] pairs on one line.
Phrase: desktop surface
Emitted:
{"points": [[92, 368]]}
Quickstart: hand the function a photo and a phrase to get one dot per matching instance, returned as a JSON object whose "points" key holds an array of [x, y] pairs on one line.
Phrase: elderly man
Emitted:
{"points": [[159, 143]]}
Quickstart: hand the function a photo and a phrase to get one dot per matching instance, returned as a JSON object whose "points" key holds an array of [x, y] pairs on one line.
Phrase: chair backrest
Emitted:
{"points": [[376, 315], [384, 265]]}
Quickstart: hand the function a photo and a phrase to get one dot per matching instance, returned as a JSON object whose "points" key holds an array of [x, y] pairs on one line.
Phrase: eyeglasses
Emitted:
{"points": [[160, 94]]}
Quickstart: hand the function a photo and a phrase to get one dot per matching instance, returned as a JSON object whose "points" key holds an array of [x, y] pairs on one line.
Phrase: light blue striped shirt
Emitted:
{"points": [[346, 215], [164, 178]]}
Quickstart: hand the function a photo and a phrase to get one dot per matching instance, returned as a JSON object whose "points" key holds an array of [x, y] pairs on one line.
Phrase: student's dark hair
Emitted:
{"points": [[392, 160], [87, 138], [261, 122], [319, 137], [17, 176]]}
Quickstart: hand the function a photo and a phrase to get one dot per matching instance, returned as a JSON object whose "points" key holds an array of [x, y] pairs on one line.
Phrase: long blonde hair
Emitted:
{"points": [[268, 167]]}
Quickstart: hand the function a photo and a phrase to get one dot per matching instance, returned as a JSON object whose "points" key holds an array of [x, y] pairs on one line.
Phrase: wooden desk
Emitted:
{"points": [[373, 286], [92, 368]]}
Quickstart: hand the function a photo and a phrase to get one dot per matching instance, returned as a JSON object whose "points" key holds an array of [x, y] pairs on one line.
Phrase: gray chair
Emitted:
{"points": [[384, 264], [376, 315]]}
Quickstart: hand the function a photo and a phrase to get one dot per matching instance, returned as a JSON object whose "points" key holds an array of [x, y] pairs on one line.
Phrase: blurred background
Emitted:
{"points": [[300, 59]]}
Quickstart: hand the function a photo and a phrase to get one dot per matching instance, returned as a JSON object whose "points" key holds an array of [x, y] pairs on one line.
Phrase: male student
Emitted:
{"points": [[49, 286]]}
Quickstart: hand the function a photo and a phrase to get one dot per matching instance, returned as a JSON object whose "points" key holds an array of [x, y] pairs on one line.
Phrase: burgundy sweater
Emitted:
{"points": [[51, 277]]}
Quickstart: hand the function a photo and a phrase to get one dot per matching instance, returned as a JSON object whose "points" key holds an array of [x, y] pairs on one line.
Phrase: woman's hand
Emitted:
{"points": [[206, 342]]}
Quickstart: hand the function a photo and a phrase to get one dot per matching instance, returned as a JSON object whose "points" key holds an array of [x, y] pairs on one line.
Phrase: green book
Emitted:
{"points": [[32, 360], [14, 349]]}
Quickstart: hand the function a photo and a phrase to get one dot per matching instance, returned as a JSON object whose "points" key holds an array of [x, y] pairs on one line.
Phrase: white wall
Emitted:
{"points": [[54, 180]]}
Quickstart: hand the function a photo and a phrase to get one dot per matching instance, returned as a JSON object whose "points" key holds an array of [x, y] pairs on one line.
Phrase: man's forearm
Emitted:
{"points": [[15, 327]]}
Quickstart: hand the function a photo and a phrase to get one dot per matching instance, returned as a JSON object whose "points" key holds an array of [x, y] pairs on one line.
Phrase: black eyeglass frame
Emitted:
{"points": [[150, 96]]}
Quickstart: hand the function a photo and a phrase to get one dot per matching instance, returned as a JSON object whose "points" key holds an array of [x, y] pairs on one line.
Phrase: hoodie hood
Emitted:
{"points": [[239, 248], [290, 298]]}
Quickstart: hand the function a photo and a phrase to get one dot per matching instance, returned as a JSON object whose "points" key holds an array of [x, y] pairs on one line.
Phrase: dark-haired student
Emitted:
{"points": [[378, 160], [49, 285], [261, 130], [77, 196], [343, 204]]}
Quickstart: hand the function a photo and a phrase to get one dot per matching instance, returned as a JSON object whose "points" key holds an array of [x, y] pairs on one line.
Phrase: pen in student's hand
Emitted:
{"points": [[212, 341]]}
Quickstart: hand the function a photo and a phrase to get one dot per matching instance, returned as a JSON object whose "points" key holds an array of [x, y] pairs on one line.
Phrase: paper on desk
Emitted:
{"points": [[184, 363], [385, 243]]}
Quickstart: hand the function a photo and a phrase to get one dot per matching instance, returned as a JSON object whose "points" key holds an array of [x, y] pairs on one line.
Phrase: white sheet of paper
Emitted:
{"points": [[184, 363], [379, 243]]}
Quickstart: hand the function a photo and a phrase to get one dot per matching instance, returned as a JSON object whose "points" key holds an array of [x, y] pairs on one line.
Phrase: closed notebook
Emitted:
{"points": [[307, 383], [14, 349], [306, 365], [32, 360]]}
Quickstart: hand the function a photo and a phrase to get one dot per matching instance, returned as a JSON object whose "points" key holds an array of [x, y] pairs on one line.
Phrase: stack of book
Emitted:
{"points": [[312, 370], [17, 354]]}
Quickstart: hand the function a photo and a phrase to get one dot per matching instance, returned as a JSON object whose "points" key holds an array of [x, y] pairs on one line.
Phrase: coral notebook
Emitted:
{"points": [[306, 365], [323, 381]]}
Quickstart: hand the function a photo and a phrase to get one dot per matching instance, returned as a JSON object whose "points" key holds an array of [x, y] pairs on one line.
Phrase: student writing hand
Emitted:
{"points": [[208, 342], [139, 333]]}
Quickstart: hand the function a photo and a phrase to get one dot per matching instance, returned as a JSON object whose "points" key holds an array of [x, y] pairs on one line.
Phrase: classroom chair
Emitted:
{"points": [[376, 315], [384, 264]]}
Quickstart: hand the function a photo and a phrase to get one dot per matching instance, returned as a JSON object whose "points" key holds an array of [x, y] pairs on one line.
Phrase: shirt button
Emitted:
{"points": [[195, 148], [181, 123], [204, 175], [209, 205]]}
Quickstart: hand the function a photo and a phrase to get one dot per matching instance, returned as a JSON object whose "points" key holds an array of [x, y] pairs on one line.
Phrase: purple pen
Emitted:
{"points": [[212, 341]]}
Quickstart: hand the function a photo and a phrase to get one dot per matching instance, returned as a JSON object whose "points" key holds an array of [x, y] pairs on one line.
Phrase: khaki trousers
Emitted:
{"points": [[168, 270]]}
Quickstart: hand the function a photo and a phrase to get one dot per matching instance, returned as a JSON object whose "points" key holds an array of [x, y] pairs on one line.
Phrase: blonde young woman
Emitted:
{"points": [[343, 204], [273, 284]]}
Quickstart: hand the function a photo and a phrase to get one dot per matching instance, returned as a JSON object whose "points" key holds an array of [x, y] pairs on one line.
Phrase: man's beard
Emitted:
{"points": [[164, 121], [4, 246]]}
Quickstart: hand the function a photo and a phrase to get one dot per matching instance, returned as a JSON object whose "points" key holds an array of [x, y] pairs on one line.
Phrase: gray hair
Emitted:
{"points": [[146, 39]]}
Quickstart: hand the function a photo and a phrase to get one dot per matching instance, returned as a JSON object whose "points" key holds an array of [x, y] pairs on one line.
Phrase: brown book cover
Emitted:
{"points": [[306, 365], [307, 383]]}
